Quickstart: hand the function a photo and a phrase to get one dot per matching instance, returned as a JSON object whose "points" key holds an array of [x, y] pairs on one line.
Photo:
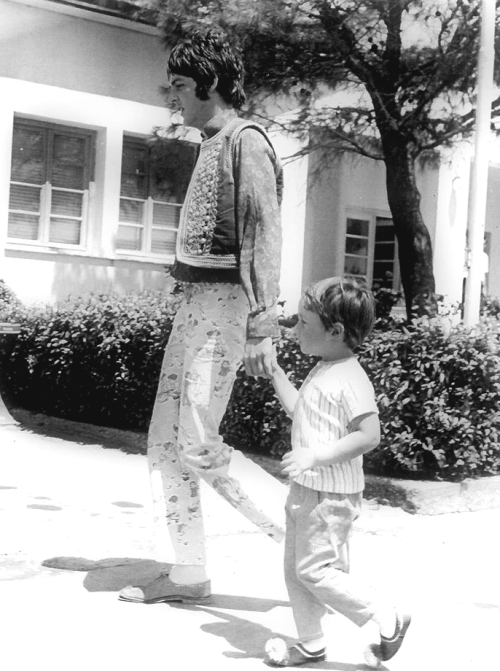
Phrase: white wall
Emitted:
{"points": [[48, 274], [293, 219], [323, 240], [67, 65], [50, 43]]}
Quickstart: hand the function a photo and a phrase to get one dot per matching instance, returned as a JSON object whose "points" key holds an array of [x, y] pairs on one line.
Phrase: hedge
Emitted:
{"points": [[97, 360]]}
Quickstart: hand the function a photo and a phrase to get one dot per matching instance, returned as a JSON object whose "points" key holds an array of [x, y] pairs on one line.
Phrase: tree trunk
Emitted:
{"points": [[414, 242]]}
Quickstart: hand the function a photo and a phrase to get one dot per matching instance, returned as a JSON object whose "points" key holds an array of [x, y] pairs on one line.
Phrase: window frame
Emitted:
{"points": [[372, 218], [47, 189]]}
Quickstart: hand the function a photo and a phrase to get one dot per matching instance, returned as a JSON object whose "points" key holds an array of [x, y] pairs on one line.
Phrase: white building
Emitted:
{"points": [[80, 209]]}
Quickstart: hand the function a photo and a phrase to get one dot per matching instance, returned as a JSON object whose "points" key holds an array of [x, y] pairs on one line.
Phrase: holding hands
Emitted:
{"points": [[259, 357]]}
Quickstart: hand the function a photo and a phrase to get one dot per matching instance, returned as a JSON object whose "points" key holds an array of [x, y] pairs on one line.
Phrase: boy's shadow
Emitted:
{"points": [[247, 638]]}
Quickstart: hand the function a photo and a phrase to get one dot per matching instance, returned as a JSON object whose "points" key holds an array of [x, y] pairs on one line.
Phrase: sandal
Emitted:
{"points": [[390, 646], [278, 654]]}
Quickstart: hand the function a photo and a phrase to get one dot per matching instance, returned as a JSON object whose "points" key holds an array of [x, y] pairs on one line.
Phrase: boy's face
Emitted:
{"points": [[313, 337], [182, 97]]}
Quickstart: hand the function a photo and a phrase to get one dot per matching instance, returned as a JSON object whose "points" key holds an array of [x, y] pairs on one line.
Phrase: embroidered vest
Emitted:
{"points": [[207, 236]]}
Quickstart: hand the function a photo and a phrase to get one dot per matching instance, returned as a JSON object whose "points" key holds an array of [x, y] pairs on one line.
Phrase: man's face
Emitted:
{"points": [[182, 97]]}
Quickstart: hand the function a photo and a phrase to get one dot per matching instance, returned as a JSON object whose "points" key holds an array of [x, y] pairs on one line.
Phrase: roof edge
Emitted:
{"points": [[90, 13]]}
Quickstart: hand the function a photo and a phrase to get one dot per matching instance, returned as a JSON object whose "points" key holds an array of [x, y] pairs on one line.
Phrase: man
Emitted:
{"points": [[228, 259]]}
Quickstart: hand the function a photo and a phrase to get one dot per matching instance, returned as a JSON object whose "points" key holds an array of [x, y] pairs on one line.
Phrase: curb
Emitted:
{"points": [[437, 498], [425, 497]]}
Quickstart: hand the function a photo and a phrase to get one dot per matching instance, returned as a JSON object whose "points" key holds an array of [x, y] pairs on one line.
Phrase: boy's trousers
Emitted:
{"points": [[318, 525], [201, 359]]}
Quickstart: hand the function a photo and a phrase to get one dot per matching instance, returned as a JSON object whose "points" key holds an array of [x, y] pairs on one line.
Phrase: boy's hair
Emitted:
{"points": [[207, 57], [345, 302]]}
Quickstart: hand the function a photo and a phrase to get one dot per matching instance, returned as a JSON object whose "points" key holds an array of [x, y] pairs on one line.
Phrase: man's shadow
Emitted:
{"points": [[112, 575]]}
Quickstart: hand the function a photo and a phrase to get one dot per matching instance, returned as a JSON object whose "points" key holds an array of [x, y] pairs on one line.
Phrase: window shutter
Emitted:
{"points": [[49, 183]]}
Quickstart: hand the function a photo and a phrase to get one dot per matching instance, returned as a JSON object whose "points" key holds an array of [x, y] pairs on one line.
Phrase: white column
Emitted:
{"points": [[451, 224], [6, 130], [479, 186], [293, 220], [108, 173]]}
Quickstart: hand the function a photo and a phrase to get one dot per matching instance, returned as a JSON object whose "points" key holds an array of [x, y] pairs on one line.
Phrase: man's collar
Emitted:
{"points": [[217, 123]]}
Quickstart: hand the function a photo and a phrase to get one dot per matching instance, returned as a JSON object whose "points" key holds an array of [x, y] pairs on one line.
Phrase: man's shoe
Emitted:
{"points": [[163, 590], [390, 646]]}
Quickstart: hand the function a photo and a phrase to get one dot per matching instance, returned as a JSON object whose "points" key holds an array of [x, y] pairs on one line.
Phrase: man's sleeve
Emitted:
{"points": [[257, 174]]}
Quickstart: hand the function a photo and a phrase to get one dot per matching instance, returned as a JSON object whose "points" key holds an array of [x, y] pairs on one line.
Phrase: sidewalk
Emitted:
{"points": [[91, 506]]}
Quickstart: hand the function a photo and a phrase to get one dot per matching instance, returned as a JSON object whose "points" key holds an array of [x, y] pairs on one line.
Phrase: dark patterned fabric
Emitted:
{"points": [[258, 186]]}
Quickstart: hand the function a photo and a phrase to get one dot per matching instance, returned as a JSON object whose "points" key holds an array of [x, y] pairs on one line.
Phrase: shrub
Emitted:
{"points": [[490, 307], [9, 303], [438, 392], [97, 360], [94, 359]]}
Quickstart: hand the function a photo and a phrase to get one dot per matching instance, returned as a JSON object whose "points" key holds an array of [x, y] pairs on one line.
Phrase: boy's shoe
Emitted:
{"points": [[390, 646], [372, 655], [278, 654], [163, 590]]}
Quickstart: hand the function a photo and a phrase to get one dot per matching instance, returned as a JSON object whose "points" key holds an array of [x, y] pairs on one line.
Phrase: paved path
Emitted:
{"points": [[91, 506]]}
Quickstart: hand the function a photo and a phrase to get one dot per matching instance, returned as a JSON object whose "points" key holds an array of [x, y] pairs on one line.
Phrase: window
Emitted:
{"points": [[154, 182], [357, 247], [50, 176], [371, 253], [385, 257]]}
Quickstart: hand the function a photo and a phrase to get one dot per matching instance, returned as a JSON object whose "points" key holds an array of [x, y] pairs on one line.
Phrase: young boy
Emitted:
{"points": [[335, 421]]}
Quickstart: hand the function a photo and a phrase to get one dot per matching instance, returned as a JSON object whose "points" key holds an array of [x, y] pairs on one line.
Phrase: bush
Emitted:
{"points": [[97, 360], [9, 303], [438, 392], [490, 307], [94, 359]]}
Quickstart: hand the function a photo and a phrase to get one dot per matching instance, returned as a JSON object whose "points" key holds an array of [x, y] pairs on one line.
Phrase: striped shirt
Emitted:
{"points": [[332, 396]]}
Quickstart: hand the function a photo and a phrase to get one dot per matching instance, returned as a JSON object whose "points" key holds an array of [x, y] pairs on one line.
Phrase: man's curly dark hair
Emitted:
{"points": [[206, 57]]}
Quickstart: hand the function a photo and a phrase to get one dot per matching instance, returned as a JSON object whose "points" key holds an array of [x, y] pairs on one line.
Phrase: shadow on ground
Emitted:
{"points": [[246, 638], [130, 442], [112, 575]]}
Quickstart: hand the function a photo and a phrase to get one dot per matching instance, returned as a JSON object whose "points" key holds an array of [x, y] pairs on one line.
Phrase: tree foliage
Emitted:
{"points": [[402, 74], [415, 59]]}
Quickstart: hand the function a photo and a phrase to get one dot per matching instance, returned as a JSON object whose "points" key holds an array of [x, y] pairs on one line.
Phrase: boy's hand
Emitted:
{"points": [[298, 461]]}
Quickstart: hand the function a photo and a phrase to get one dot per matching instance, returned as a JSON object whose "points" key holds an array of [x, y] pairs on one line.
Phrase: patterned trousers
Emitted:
{"points": [[201, 359]]}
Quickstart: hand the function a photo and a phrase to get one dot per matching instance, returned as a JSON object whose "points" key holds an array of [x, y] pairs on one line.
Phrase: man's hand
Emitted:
{"points": [[258, 357], [297, 461]]}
